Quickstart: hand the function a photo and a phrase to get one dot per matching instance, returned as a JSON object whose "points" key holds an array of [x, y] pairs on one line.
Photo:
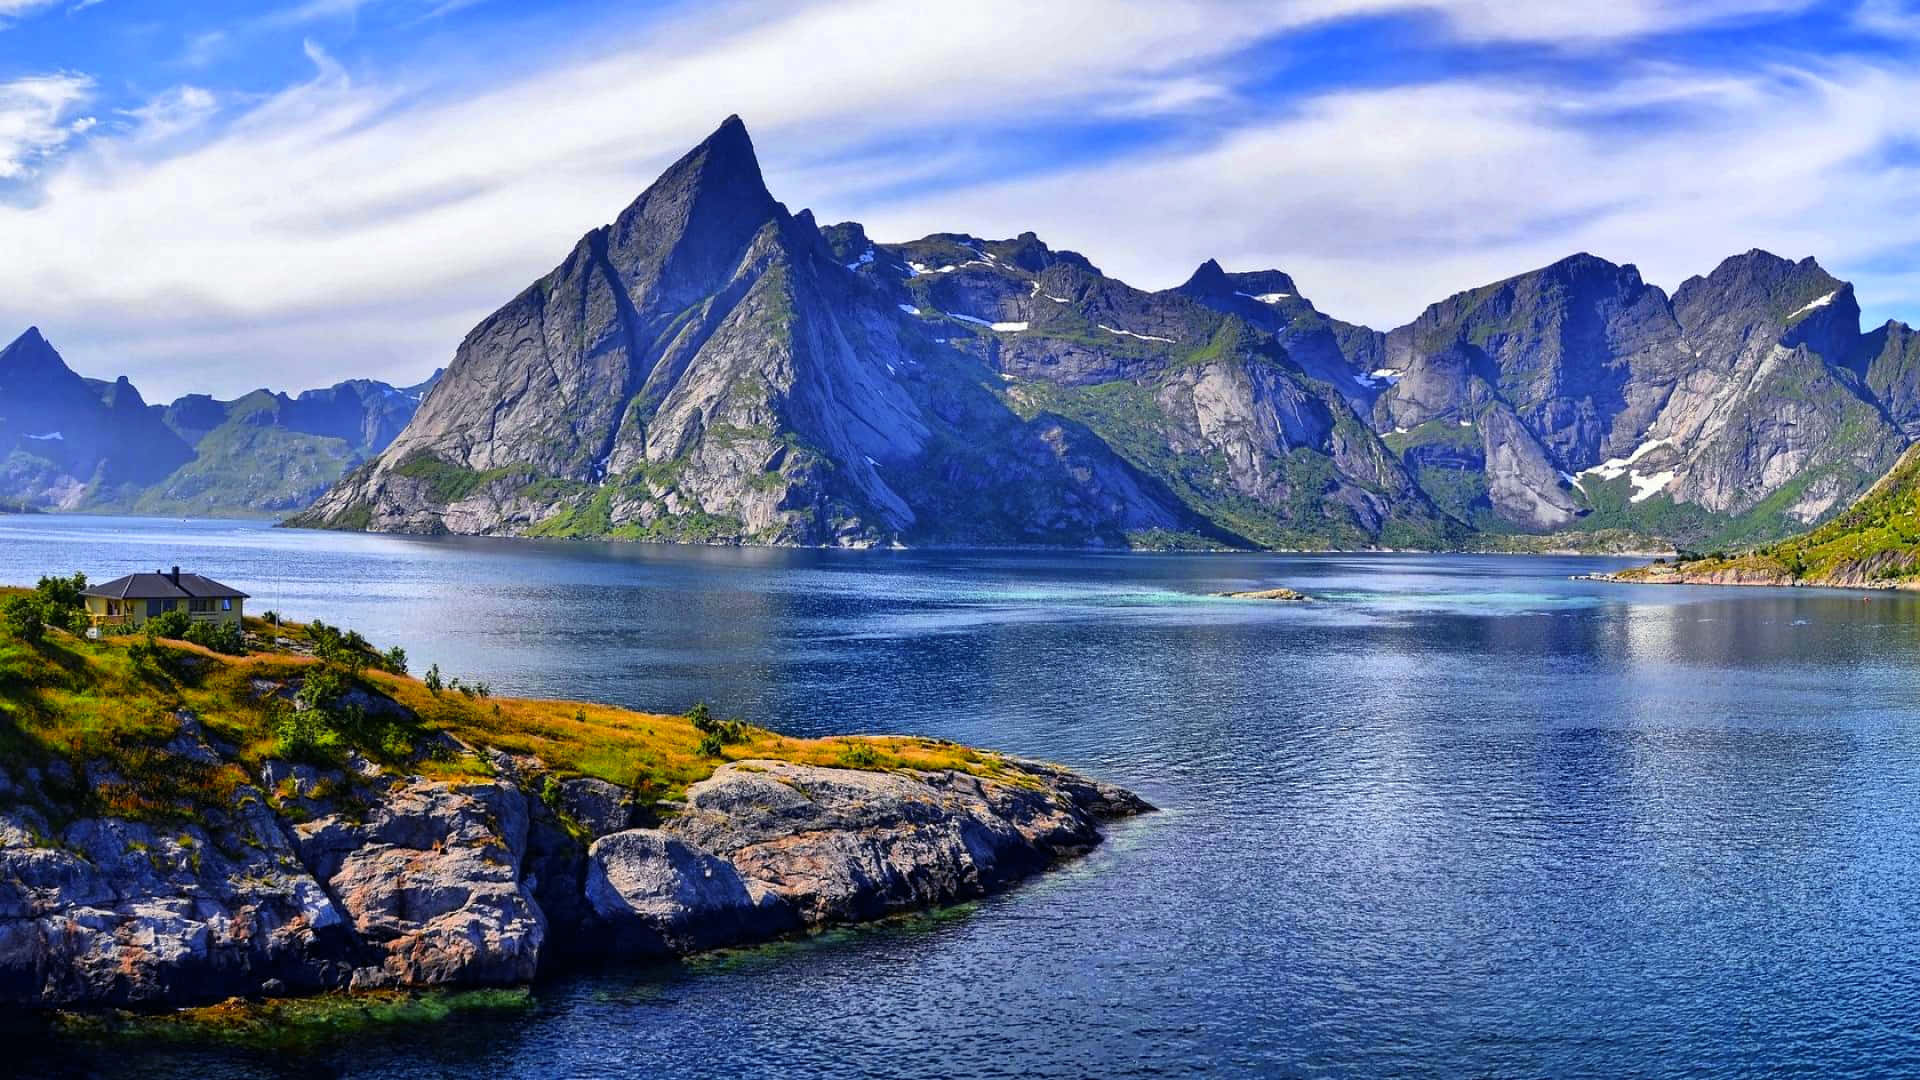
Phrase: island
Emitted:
{"points": [[195, 811], [1282, 594]]}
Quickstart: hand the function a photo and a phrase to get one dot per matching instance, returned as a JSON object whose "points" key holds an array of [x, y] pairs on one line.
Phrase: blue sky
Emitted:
{"points": [[217, 196]]}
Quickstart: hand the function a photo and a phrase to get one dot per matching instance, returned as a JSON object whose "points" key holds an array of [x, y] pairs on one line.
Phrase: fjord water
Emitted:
{"points": [[1463, 816]]}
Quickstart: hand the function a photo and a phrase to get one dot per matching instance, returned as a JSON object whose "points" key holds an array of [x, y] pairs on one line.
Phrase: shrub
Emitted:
{"points": [[859, 756], [62, 603], [220, 637], [710, 745], [305, 735], [25, 618], [726, 731], [170, 624], [433, 681], [395, 660]]}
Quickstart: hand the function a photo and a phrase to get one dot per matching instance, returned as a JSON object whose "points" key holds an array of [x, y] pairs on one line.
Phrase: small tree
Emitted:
{"points": [[171, 624], [433, 681], [395, 660]]}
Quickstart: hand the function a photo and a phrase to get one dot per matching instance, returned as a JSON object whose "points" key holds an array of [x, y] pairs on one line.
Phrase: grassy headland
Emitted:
{"points": [[1874, 544], [108, 710]]}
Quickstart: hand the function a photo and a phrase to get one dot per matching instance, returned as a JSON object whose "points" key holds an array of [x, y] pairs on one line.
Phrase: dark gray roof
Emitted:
{"points": [[164, 587]]}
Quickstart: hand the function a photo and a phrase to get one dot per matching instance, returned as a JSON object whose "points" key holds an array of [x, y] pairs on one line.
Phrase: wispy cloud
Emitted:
{"points": [[36, 119], [359, 222]]}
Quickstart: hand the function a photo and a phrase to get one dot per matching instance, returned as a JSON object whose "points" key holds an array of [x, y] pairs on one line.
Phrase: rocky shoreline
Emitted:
{"points": [[316, 880], [1749, 577]]}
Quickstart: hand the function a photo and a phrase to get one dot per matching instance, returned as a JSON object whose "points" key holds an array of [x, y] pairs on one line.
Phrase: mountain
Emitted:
{"points": [[1875, 543], [711, 367], [64, 440], [1737, 408], [93, 445]]}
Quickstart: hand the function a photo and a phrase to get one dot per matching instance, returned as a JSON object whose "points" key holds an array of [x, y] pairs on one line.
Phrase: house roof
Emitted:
{"points": [[159, 586]]}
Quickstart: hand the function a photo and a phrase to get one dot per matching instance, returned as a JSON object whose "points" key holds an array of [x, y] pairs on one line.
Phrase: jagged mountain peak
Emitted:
{"points": [[683, 236], [29, 352], [1207, 279], [1212, 281]]}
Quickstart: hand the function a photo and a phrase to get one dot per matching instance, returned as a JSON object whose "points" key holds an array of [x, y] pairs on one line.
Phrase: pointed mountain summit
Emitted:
{"points": [[710, 367], [64, 442]]}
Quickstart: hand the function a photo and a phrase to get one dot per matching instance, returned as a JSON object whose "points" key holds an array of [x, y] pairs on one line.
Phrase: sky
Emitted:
{"points": [[219, 196]]}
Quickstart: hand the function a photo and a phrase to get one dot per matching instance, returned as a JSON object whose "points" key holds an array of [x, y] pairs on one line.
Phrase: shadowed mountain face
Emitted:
{"points": [[80, 444], [712, 368], [62, 439]]}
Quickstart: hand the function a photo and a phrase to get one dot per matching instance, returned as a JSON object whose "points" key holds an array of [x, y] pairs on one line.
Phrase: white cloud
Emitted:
{"points": [[358, 226], [34, 119], [1379, 202]]}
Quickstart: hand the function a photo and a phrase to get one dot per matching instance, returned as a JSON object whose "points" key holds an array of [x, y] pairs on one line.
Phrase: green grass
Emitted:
{"points": [[100, 704]]}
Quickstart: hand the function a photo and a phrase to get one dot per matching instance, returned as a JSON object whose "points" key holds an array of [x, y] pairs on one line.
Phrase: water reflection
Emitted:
{"points": [[1464, 816]]}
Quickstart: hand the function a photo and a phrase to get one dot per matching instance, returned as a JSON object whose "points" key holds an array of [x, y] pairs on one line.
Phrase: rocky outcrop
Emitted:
{"points": [[353, 878]]}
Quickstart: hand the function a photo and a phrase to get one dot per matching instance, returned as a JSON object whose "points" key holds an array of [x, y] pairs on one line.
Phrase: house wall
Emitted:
{"points": [[133, 613]]}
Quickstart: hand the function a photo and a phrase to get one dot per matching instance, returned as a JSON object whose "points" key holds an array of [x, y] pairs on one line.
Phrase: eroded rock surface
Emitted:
{"points": [[350, 878]]}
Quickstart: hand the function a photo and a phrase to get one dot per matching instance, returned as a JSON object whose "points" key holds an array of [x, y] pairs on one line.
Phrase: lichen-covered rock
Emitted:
{"points": [[121, 912], [839, 845], [431, 882]]}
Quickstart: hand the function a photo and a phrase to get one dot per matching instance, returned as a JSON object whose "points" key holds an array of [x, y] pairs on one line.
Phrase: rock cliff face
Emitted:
{"points": [[1741, 406], [70, 443], [355, 878], [712, 368]]}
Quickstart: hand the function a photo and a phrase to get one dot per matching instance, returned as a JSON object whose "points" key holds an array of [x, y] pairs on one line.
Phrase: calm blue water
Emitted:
{"points": [[1463, 817]]}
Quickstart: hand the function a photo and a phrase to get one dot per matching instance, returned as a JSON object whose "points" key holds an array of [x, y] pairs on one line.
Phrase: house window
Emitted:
{"points": [[226, 603], [199, 605]]}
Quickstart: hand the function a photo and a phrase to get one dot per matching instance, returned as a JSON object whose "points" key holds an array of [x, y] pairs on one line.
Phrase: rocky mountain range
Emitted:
{"points": [[711, 367], [71, 443]]}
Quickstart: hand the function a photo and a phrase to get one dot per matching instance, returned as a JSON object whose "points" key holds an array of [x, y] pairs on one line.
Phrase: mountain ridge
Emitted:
{"points": [[94, 445], [728, 371]]}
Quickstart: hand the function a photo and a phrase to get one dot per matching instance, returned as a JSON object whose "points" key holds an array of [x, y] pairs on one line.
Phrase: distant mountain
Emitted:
{"points": [[103, 448], [1577, 396], [65, 441], [710, 367]]}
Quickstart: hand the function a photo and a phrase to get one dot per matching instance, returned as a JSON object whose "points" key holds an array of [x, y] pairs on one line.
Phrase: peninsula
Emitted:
{"points": [[290, 812]]}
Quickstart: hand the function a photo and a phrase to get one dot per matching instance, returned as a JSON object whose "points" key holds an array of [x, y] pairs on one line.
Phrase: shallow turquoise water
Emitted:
{"points": [[1462, 817]]}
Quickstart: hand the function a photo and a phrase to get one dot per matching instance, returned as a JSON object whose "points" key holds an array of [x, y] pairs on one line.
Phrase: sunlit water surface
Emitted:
{"points": [[1463, 816]]}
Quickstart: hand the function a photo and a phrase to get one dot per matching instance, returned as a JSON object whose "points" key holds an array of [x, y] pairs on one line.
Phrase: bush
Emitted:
{"points": [[220, 637], [433, 680], [710, 745], [859, 756], [727, 732], [25, 618], [322, 726], [306, 735], [62, 602], [171, 624], [395, 660]]}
